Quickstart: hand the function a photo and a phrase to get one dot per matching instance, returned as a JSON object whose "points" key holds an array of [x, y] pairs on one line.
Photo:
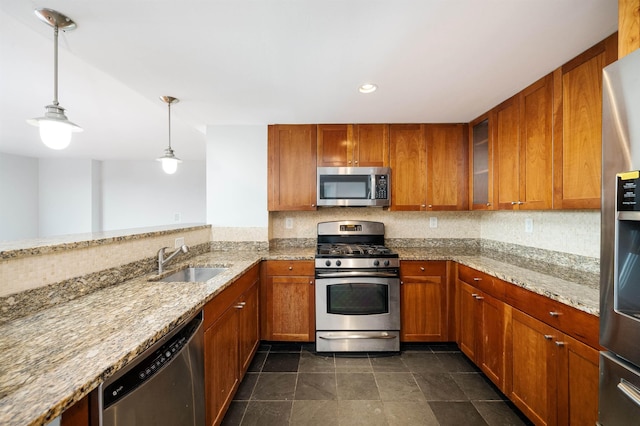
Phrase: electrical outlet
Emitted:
{"points": [[288, 223], [177, 217], [433, 222], [528, 225], [179, 242]]}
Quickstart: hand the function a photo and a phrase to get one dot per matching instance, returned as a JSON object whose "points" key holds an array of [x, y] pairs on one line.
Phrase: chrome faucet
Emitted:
{"points": [[162, 261]]}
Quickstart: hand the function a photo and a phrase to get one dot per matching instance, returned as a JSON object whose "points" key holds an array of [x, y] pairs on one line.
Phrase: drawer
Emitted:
{"points": [[490, 285], [419, 268], [574, 322], [290, 267]]}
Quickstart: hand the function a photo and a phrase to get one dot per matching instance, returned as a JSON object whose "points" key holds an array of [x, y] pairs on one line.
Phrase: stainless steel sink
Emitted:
{"points": [[201, 274]]}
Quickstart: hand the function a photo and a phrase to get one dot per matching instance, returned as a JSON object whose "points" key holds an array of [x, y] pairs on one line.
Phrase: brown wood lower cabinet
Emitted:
{"points": [[231, 338], [555, 377], [288, 298], [423, 293], [541, 353], [482, 331]]}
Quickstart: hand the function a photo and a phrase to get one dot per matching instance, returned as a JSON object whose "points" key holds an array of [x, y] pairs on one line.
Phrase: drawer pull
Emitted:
{"points": [[291, 268], [475, 295], [555, 314], [239, 306], [513, 203], [479, 298], [630, 391], [477, 279], [548, 337], [560, 344], [422, 268]]}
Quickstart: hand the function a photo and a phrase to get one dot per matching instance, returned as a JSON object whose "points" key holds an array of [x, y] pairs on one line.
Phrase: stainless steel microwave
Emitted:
{"points": [[354, 186]]}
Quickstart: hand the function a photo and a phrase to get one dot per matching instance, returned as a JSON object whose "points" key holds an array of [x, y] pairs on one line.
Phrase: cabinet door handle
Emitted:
{"points": [[513, 203], [520, 202], [477, 279], [291, 268], [548, 337], [488, 204], [422, 268], [423, 205], [356, 162], [242, 303], [479, 298], [313, 205], [430, 205], [311, 282], [239, 306], [555, 314], [475, 295], [560, 344]]}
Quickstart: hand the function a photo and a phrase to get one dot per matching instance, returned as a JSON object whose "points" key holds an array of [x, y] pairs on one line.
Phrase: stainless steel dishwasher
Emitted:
{"points": [[162, 386]]}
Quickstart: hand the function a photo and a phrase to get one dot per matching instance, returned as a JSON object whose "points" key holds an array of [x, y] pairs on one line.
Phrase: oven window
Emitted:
{"points": [[358, 299]]}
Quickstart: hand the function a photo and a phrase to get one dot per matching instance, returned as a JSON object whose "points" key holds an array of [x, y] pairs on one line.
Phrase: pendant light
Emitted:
{"points": [[168, 160], [55, 128]]}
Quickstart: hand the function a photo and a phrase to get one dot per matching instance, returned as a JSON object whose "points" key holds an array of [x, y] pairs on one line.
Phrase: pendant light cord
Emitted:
{"points": [[55, 65], [169, 106]]}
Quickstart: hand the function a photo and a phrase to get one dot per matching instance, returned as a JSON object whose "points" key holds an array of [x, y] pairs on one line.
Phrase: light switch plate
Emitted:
{"points": [[433, 222], [288, 223], [179, 242]]}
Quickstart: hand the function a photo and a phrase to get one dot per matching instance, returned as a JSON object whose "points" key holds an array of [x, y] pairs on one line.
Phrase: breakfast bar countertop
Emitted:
{"points": [[53, 358]]}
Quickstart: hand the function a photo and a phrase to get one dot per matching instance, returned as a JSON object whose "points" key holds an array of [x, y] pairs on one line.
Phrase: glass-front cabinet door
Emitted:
{"points": [[480, 164]]}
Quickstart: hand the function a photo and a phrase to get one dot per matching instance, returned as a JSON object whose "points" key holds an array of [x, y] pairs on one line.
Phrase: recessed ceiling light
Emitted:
{"points": [[368, 88]]}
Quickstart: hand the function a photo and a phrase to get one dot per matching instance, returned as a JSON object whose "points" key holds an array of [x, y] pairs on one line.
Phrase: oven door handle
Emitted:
{"points": [[350, 274], [358, 336], [630, 391]]}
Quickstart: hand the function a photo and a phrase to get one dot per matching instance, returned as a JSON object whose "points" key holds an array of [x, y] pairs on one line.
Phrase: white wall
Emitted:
{"points": [[137, 194], [65, 188], [18, 197], [237, 177]]}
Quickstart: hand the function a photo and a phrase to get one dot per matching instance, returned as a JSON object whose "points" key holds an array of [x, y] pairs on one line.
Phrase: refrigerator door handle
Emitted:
{"points": [[630, 391]]}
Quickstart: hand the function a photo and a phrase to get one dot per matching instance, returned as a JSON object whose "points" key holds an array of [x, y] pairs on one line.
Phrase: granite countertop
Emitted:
{"points": [[55, 357]]}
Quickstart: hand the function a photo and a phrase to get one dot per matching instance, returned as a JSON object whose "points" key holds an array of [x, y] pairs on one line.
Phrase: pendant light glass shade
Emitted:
{"points": [[55, 127], [169, 160]]}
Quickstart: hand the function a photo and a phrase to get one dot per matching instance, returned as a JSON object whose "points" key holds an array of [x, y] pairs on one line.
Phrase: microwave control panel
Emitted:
{"points": [[628, 191], [382, 187]]}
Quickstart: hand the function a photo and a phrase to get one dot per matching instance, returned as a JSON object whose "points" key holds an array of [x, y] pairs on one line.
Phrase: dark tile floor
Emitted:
{"points": [[290, 384]]}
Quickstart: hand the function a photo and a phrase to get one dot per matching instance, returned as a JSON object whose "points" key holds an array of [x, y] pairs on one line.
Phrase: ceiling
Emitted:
{"points": [[241, 62]]}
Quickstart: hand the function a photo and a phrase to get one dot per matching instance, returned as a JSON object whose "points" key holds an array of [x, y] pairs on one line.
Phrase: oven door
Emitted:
{"points": [[357, 304]]}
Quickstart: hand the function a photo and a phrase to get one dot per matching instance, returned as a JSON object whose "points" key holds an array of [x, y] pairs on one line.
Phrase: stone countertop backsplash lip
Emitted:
{"points": [[55, 357]]}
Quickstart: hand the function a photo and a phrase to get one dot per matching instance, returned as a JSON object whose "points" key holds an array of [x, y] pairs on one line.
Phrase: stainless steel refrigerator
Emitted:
{"points": [[619, 402]]}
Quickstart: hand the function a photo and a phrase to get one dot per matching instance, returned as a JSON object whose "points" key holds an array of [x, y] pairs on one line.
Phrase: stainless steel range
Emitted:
{"points": [[357, 289]]}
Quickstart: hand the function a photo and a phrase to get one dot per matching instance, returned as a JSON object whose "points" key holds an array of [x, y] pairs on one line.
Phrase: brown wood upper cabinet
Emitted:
{"points": [[523, 148], [353, 145], [577, 132], [481, 164], [292, 167], [428, 166]]}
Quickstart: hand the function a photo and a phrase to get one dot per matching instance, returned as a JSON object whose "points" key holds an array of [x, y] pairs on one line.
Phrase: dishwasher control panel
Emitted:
{"points": [[150, 365]]}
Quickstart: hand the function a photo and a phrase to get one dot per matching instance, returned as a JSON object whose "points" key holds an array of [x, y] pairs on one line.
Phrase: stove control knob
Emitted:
{"points": [[328, 263], [338, 263], [386, 263], [376, 262]]}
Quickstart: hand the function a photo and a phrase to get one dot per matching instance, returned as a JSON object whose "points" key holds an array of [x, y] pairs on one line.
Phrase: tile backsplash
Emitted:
{"points": [[37, 270], [575, 232]]}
